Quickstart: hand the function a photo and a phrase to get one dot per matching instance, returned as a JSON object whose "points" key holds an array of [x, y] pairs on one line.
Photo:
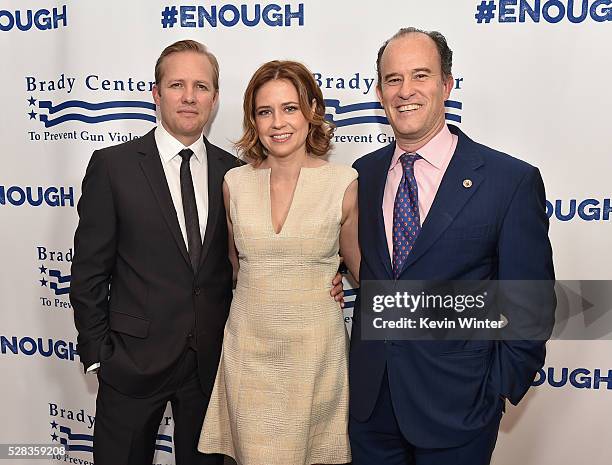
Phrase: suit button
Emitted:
{"points": [[197, 291]]}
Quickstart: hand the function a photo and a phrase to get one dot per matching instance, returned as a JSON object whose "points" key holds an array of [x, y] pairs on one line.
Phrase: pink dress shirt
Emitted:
{"points": [[428, 171]]}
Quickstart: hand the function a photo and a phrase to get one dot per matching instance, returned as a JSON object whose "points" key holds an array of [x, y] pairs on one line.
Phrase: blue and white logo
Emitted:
{"points": [[50, 106], [357, 113], [73, 428], [53, 277], [91, 113]]}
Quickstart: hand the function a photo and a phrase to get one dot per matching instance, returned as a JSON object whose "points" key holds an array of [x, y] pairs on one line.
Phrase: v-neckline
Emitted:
{"points": [[289, 210], [268, 172]]}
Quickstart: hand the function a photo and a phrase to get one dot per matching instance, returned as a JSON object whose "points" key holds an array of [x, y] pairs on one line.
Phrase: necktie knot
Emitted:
{"points": [[407, 160], [186, 154]]}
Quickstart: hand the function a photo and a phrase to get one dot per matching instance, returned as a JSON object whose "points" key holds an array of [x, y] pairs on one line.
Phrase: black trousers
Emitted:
{"points": [[125, 429]]}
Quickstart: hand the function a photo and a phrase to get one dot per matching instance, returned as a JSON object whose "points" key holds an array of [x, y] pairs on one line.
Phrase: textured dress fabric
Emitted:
{"points": [[281, 392]]}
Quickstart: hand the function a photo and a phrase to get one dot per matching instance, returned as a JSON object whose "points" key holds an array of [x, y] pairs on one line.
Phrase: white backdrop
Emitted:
{"points": [[533, 81]]}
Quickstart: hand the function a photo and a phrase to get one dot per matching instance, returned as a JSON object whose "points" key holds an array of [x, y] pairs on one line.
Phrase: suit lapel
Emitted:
{"points": [[380, 170], [215, 196], [151, 164], [450, 198]]}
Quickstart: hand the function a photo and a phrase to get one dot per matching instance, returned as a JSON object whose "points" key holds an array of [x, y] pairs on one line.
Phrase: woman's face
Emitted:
{"points": [[281, 125]]}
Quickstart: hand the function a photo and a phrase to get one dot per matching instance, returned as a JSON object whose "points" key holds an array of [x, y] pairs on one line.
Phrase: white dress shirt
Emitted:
{"points": [[169, 149]]}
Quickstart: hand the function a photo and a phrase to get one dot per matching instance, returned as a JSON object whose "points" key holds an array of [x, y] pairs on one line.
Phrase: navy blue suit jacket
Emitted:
{"points": [[445, 392]]}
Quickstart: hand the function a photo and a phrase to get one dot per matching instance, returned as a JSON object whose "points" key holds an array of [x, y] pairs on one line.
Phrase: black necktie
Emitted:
{"points": [[192, 224]]}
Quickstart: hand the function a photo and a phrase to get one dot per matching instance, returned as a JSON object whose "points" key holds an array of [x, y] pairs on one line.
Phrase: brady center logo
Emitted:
{"points": [[53, 277], [57, 115], [73, 428], [352, 105]]}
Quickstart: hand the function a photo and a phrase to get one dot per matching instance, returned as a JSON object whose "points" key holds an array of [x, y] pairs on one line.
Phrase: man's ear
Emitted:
{"points": [[448, 86], [379, 93], [156, 94]]}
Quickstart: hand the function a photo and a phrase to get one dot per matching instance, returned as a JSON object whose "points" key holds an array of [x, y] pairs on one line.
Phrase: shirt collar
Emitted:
{"points": [[436, 152], [169, 147]]}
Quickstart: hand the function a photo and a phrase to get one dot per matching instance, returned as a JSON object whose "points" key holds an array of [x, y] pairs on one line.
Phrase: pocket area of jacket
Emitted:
{"points": [[129, 324]]}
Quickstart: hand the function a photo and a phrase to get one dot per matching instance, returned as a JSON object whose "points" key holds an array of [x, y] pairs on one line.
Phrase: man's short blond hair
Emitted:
{"points": [[187, 46]]}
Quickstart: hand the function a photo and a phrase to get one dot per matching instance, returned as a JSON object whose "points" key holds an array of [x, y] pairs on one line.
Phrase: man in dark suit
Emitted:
{"points": [[474, 214], [151, 279]]}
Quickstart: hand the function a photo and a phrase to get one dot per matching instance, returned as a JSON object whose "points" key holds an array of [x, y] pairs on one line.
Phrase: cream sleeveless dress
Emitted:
{"points": [[281, 392]]}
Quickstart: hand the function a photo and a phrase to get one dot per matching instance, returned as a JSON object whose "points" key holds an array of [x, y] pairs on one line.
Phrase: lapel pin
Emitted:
{"points": [[467, 183]]}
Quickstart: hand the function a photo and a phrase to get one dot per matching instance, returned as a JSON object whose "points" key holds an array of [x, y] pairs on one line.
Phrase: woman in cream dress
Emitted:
{"points": [[281, 392]]}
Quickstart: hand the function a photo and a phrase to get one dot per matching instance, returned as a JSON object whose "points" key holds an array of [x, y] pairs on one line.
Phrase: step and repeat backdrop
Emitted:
{"points": [[532, 78]]}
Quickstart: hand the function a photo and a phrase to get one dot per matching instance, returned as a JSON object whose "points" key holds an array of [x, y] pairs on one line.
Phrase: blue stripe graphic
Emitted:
{"points": [[343, 109], [95, 119], [95, 106], [348, 293], [60, 280], [59, 290], [76, 447], [451, 117], [89, 438], [338, 109], [352, 107], [357, 120], [58, 275], [453, 104], [76, 437], [164, 437]]}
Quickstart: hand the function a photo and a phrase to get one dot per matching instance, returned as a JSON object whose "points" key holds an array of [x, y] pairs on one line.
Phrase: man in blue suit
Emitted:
{"points": [[474, 214]]}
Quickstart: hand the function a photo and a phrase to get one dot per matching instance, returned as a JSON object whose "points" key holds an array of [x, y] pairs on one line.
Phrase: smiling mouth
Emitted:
{"points": [[409, 108], [280, 137]]}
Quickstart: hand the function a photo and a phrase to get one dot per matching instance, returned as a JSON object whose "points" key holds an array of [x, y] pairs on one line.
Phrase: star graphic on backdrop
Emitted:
{"points": [[54, 436], [53, 424], [32, 101], [43, 282], [32, 114], [43, 270]]}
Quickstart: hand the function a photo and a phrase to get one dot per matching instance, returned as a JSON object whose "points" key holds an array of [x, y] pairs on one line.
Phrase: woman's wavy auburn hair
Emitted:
{"points": [[320, 131]]}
